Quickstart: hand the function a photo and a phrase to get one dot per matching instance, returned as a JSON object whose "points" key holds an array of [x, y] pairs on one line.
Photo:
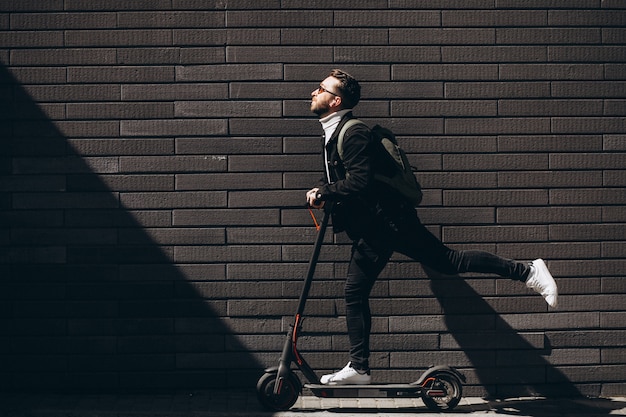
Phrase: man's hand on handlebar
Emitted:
{"points": [[311, 199]]}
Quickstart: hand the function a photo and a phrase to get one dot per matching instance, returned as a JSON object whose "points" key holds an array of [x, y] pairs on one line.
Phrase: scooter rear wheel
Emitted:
{"points": [[443, 392], [287, 397]]}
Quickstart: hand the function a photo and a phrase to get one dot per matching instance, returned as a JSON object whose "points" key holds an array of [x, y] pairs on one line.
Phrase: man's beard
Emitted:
{"points": [[319, 109]]}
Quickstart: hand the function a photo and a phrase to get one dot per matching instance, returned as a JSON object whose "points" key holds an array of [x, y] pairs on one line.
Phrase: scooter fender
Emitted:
{"points": [[439, 369], [271, 370]]}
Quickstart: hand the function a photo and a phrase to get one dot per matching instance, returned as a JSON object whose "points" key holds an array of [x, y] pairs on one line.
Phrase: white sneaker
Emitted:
{"points": [[347, 376], [541, 281]]}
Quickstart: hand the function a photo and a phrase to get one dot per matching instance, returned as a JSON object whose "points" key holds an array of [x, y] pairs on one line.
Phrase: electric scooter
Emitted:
{"points": [[439, 387]]}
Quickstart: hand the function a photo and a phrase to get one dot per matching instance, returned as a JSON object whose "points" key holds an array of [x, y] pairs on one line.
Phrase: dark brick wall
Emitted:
{"points": [[151, 151]]}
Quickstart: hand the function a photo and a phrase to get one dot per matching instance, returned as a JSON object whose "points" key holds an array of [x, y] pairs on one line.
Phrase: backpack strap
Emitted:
{"points": [[342, 133]]}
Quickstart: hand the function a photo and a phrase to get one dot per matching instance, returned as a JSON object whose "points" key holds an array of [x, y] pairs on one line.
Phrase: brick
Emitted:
{"points": [[58, 237], [606, 232], [225, 217], [490, 340], [556, 4], [11, 39], [614, 178], [60, 56], [228, 109], [271, 127], [495, 234], [65, 93], [266, 54], [591, 268], [172, 200], [278, 18], [613, 214], [155, 55], [587, 17], [230, 146], [115, 5], [159, 128], [550, 107], [434, 108], [119, 110], [247, 199], [64, 200], [586, 125], [588, 161], [64, 21], [127, 74], [495, 162], [390, 18], [39, 75], [548, 36], [587, 196], [213, 272], [116, 218], [498, 126], [448, 36], [228, 181], [227, 36], [232, 253], [548, 215], [122, 146], [192, 91], [556, 72], [445, 72], [587, 338], [496, 54], [386, 54], [170, 19], [586, 54], [615, 108], [195, 56], [615, 71], [315, 72], [122, 38], [612, 250], [332, 36], [552, 179], [172, 236], [172, 163], [229, 72], [550, 143], [594, 89], [575, 251], [120, 183], [486, 90], [495, 198], [493, 18]]}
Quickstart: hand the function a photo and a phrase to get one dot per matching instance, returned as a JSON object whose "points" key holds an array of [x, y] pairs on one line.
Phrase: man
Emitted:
{"points": [[380, 222]]}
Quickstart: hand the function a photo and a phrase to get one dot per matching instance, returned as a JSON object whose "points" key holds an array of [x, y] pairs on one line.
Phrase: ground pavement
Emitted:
{"points": [[244, 404]]}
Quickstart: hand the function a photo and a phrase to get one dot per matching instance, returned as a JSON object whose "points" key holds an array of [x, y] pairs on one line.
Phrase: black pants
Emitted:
{"points": [[407, 235]]}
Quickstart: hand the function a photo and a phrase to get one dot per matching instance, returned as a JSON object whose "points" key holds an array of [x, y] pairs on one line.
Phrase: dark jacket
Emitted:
{"points": [[351, 187]]}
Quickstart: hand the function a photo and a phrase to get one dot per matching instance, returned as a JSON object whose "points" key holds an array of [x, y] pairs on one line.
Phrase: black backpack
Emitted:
{"points": [[403, 179]]}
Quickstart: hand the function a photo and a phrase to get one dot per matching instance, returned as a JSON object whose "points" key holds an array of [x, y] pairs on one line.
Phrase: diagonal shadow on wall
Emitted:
{"points": [[89, 301], [506, 362]]}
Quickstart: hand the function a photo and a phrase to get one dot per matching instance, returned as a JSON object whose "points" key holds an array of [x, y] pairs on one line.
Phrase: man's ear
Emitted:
{"points": [[338, 102]]}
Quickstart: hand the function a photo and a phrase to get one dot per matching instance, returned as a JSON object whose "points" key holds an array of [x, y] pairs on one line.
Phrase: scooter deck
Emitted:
{"points": [[365, 391]]}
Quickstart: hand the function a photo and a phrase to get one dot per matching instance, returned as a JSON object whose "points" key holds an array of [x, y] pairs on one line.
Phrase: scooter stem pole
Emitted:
{"points": [[314, 257]]}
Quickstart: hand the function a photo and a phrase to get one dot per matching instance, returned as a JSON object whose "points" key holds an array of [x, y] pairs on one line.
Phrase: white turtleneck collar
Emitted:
{"points": [[330, 123]]}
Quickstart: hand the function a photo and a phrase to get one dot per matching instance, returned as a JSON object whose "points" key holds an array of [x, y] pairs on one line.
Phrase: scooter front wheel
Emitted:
{"points": [[442, 391], [289, 392]]}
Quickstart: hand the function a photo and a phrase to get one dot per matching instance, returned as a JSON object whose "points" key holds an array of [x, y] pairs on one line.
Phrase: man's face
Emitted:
{"points": [[325, 99]]}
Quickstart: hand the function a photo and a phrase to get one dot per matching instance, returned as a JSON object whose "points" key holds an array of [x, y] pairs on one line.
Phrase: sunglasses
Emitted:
{"points": [[321, 90]]}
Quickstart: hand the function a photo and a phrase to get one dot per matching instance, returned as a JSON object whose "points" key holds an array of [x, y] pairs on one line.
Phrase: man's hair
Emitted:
{"points": [[349, 88]]}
